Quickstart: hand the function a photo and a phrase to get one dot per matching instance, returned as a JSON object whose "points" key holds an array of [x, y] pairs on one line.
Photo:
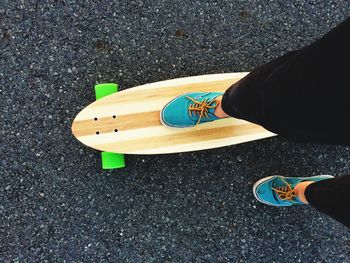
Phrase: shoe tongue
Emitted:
{"points": [[210, 111], [278, 198]]}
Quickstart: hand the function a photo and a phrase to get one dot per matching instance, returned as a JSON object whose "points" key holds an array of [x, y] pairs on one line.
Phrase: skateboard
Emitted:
{"points": [[128, 121]]}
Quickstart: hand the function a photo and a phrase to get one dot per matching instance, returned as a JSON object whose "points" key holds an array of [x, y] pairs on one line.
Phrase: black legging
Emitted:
{"points": [[331, 197], [304, 96]]}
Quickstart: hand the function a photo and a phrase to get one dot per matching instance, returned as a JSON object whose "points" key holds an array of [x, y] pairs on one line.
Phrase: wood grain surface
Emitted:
{"points": [[129, 121]]}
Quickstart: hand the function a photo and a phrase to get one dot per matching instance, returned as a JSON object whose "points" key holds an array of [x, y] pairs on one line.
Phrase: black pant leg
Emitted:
{"points": [[244, 103], [304, 95], [331, 197]]}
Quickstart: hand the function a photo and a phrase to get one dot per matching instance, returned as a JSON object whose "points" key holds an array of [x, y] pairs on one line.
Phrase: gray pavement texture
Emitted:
{"points": [[57, 205]]}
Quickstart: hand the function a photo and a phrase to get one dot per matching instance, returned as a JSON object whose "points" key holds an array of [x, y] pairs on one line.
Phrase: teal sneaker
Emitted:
{"points": [[190, 109], [279, 190]]}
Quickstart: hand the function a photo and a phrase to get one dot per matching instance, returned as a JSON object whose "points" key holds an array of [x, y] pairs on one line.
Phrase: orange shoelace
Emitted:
{"points": [[200, 108], [285, 192]]}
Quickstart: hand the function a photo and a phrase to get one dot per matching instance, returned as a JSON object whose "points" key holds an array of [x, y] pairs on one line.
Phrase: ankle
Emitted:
{"points": [[219, 112], [299, 190]]}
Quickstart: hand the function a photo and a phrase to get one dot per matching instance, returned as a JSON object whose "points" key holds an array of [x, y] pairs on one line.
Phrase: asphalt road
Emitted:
{"points": [[57, 205]]}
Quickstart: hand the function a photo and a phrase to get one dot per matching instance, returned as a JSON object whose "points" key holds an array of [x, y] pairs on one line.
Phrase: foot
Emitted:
{"points": [[280, 191], [191, 109]]}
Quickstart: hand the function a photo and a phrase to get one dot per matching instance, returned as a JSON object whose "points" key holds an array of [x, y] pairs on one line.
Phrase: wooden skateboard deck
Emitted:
{"points": [[129, 121]]}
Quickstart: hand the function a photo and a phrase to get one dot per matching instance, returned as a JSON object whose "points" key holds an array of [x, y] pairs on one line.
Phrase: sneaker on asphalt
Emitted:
{"points": [[190, 109], [279, 190]]}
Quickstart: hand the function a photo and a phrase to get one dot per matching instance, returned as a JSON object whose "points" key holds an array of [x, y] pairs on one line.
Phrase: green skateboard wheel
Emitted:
{"points": [[103, 90], [109, 160], [112, 160]]}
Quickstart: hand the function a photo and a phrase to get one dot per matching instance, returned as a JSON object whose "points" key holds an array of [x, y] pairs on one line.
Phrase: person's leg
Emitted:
{"points": [[302, 95], [331, 197], [194, 108], [191, 109], [241, 100], [299, 190]]}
